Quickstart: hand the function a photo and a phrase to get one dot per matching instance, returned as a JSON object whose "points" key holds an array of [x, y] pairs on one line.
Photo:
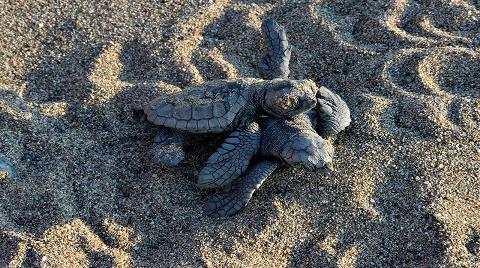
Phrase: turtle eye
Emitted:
{"points": [[293, 102]]}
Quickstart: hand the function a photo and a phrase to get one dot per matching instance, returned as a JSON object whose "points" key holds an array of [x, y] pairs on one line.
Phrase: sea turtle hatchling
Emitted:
{"points": [[226, 106], [294, 141], [304, 145]]}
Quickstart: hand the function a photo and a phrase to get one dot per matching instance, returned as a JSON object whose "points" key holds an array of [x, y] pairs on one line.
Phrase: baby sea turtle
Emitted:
{"points": [[285, 138], [294, 141], [228, 106]]}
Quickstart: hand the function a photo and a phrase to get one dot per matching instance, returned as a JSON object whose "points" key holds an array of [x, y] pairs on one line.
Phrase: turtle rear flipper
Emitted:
{"points": [[274, 64], [333, 113], [232, 158], [168, 147], [230, 203]]}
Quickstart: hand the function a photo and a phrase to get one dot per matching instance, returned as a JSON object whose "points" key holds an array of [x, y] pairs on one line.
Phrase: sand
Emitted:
{"points": [[406, 190]]}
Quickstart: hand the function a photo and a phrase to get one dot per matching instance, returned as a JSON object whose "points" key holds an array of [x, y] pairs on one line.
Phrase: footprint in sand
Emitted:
{"points": [[433, 73], [74, 245], [442, 78], [437, 22]]}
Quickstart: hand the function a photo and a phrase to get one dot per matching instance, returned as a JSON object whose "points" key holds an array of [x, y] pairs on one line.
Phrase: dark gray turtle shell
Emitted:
{"points": [[211, 107]]}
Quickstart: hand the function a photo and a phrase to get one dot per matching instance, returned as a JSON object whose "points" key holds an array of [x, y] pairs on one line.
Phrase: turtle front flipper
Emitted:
{"points": [[232, 158], [274, 64], [333, 113], [230, 203], [168, 147]]}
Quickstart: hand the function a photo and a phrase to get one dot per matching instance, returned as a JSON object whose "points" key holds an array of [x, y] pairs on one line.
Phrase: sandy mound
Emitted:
{"points": [[406, 191]]}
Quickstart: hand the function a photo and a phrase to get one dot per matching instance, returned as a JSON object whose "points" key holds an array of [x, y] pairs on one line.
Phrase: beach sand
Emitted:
{"points": [[405, 192]]}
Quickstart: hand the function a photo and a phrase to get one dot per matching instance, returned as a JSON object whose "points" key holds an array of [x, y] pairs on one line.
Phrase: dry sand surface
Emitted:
{"points": [[406, 188]]}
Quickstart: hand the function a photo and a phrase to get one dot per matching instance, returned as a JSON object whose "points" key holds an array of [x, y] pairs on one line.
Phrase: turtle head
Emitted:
{"points": [[308, 150], [286, 98]]}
